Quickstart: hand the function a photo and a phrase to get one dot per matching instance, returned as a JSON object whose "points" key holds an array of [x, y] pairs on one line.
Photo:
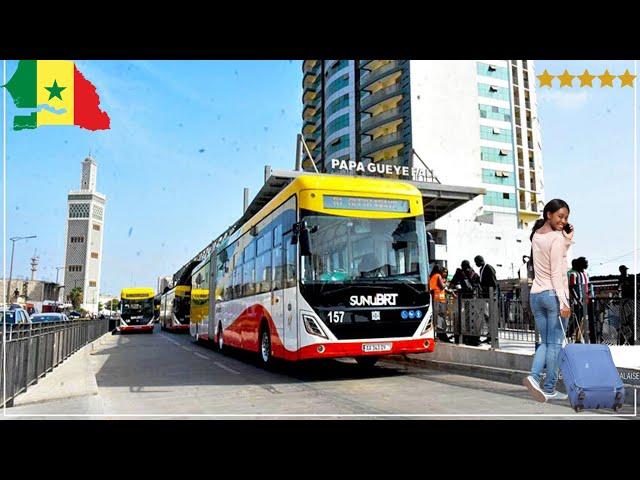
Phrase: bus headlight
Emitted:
{"points": [[312, 327], [427, 325]]}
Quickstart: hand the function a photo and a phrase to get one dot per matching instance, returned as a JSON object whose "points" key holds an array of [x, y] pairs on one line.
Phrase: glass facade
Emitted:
{"points": [[496, 134], [489, 154], [500, 199], [494, 113], [491, 91], [489, 176], [488, 70]]}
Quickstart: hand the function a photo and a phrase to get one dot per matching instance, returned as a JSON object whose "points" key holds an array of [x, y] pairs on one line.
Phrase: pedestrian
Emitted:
{"points": [[625, 290], [573, 329], [549, 298], [582, 289], [487, 279], [437, 290], [487, 276], [625, 282], [461, 280]]}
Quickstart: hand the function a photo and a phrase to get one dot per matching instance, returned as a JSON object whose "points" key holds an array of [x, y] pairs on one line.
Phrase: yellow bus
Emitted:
{"points": [[174, 309], [331, 266], [136, 309]]}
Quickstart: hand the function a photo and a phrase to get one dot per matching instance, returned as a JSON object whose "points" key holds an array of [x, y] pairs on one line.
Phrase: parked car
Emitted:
{"points": [[75, 314], [14, 316], [49, 317]]}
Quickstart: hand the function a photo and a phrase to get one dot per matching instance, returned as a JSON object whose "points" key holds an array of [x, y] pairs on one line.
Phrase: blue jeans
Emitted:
{"points": [[546, 311]]}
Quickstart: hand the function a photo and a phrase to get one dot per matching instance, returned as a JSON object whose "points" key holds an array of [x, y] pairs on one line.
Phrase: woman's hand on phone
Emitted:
{"points": [[565, 312], [571, 230]]}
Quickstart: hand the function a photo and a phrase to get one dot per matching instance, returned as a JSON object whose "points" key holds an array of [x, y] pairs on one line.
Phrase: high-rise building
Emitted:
{"points": [[473, 123], [85, 227]]}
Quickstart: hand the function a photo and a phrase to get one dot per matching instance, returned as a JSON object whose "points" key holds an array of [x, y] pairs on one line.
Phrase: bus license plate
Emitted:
{"points": [[376, 347]]}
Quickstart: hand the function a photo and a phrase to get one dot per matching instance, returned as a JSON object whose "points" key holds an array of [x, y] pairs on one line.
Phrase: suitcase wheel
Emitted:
{"points": [[579, 408]]}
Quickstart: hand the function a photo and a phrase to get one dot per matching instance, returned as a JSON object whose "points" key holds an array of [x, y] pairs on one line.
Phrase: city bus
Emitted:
{"points": [[200, 298], [331, 266], [174, 309], [136, 309]]}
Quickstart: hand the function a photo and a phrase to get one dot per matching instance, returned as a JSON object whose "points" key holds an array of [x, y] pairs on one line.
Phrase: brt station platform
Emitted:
{"points": [[438, 200]]}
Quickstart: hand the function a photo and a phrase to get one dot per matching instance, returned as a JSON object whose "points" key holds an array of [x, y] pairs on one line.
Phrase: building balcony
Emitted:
{"points": [[310, 77], [367, 81], [381, 143], [310, 125], [310, 92], [310, 109], [381, 119], [380, 96], [308, 65]]}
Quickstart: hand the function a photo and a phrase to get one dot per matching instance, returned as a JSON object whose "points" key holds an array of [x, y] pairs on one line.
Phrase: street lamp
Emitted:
{"points": [[13, 244], [57, 272]]}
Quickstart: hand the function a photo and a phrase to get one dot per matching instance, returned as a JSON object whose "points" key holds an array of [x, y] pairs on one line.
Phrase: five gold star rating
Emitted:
{"points": [[586, 79]]}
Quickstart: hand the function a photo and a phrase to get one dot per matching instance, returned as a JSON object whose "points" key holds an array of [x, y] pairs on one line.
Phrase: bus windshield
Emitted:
{"points": [[137, 308], [350, 249]]}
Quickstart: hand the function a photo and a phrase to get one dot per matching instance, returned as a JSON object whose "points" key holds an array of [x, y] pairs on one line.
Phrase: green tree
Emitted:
{"points": [[114, 304], [76, 297]]}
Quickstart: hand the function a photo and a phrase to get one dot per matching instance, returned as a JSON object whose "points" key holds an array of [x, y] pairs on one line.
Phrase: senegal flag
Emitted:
{"points": [[62, 95]]}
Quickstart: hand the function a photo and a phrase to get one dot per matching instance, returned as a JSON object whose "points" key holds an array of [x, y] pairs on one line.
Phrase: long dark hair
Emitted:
{"points": [[551, 207], [435, 270]]}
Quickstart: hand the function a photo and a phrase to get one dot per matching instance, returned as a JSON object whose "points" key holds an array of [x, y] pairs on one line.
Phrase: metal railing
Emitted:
{"points": [[381, 142], [380, 95], [606, 320], [33, 350], [379, 73]]}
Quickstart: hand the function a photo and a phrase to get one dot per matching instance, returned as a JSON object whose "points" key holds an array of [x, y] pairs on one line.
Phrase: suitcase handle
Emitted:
{"points": [[564, 340]]}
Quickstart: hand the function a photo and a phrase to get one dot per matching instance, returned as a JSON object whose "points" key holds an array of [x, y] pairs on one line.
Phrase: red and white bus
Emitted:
{"points": [[331, 266]]}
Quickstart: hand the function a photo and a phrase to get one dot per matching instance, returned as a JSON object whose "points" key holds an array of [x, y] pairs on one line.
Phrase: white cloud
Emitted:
{"points": [[564, 99]]}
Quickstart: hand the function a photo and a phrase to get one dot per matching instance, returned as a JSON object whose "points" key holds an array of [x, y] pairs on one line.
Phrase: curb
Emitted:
{"points": [[495, 374]]}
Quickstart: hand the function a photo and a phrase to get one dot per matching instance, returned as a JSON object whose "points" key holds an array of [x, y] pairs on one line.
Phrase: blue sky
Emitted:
{"points": [[187, 136]]}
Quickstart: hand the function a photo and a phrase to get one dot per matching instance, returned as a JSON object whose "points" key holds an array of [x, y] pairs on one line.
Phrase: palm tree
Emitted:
{"points": [[76, 297]]}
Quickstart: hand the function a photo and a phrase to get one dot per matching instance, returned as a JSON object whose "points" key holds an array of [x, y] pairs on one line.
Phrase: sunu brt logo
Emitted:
{"points": [[378, 300]]}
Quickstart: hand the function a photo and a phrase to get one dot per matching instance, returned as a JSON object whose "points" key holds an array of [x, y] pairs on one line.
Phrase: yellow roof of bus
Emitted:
{"points": [[374, 187], [137, 292]]}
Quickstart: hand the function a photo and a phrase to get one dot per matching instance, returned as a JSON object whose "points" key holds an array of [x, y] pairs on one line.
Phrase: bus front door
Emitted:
{"points": [[290, 303]]}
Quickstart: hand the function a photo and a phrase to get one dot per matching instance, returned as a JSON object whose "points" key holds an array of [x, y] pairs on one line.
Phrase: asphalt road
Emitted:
{"points": [[166, 374]]}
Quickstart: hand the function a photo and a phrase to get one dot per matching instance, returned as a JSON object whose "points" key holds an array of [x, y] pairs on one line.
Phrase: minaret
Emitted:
{"points": [[85, 226]]}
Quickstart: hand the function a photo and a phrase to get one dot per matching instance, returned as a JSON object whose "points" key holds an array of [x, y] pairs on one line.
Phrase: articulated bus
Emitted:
{"points": [[174, 309], [331, 266], [136, 309]]}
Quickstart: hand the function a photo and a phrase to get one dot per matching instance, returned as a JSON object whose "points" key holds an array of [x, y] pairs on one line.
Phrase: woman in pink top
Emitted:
{"points": [[549, 296]]}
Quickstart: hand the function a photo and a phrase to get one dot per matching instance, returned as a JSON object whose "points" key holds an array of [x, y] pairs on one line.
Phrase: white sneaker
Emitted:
{"points": [[556, 395], [533, 387]]}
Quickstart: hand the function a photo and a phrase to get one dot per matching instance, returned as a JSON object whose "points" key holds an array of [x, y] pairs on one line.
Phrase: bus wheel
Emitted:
{"points": [[265, 356], [220, 343], [367, 362]]}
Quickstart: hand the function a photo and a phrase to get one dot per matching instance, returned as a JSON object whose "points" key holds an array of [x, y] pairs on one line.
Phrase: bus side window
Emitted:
{"points": [[237, 281], [263, 272], [277, 268], [248, 279]]}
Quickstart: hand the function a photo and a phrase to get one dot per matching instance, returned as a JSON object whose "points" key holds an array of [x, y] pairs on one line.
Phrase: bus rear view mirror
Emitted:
{"points": [[400, 245], [431, 245], [301, 235]]}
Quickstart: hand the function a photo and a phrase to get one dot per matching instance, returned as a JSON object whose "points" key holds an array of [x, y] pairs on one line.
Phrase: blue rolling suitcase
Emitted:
{"points": [[591, 377]]}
